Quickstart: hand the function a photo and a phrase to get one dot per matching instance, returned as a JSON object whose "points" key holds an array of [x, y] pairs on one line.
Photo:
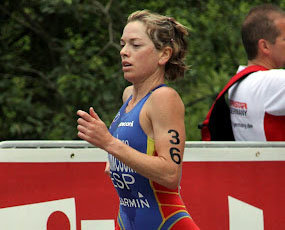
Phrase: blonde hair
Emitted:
{"points": [[166, 31]]}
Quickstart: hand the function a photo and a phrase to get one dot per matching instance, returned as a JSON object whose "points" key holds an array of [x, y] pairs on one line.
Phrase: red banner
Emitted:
{"points": [[223, 195], [207, 187]]}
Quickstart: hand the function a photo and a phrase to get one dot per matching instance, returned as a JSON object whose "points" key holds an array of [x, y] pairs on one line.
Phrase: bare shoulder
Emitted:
{"points": [[127, 93], [165, 111], [166, 97]]}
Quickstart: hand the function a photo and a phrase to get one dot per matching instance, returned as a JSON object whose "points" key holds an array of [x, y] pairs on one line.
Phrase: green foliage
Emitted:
{"points": [[58, 56]]}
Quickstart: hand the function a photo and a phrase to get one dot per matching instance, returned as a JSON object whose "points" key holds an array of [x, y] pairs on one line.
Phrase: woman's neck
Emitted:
{"points": [[143, 88]]}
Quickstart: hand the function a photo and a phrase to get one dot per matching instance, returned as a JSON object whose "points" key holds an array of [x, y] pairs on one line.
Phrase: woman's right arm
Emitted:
{"points": [[126, 94]]}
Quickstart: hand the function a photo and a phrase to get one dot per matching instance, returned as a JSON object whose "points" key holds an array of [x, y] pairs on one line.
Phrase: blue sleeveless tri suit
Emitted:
{"points": [[144, 204]]}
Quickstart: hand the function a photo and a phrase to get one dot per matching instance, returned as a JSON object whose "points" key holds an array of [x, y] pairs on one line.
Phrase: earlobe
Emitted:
{"points": [[165, 55]]}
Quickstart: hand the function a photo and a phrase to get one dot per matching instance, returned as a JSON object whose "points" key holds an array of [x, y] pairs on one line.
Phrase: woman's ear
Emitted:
{"points": [[165, 55]]}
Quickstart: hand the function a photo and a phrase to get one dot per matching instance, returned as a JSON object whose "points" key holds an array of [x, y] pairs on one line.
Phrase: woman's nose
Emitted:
{"points": [[124, 51]]}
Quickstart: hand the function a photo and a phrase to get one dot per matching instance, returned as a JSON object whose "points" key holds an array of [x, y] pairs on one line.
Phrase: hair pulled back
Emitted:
{"points": [[166, 31]]}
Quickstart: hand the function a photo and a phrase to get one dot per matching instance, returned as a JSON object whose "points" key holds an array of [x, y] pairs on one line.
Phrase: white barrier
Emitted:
{"points": [[225, 185]]}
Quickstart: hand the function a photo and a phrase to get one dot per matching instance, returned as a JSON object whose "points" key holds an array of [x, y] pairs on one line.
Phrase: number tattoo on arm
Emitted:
{"points": [[174, 152]]}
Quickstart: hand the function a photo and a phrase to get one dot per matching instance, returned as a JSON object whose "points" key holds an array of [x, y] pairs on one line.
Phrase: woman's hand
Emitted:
{"points": [[92, 129], [107, 168]]}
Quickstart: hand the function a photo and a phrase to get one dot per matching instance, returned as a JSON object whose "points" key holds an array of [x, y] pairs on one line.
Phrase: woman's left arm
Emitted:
{"points": [[167, 116]]}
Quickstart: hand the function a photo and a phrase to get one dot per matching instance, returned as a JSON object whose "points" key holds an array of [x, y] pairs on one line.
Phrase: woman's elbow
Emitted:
{"points": [[172, 181]]}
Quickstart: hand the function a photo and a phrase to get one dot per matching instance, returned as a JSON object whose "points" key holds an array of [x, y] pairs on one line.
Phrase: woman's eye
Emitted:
{"points": [[136, 45]]}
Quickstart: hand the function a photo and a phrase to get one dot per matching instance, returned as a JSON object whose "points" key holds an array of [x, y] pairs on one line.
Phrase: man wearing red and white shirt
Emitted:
{"points": [[257, 103]]}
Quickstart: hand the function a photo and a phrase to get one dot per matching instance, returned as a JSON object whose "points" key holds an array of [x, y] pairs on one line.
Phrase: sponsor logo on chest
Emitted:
{"points": [[238, 108], [126, 124]]}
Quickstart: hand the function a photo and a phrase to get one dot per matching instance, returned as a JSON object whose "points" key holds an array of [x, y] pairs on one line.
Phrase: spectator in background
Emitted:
{"points": [[257, 103], [146, 140]]}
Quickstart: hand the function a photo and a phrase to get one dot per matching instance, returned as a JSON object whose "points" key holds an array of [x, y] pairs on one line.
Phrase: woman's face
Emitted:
{"points": [[139, 56]]}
